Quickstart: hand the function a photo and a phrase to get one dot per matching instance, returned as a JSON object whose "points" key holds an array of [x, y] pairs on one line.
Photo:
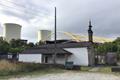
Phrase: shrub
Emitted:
{"points": [[7, 67]]}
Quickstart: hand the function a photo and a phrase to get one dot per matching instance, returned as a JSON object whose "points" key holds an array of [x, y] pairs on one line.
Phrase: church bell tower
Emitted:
{"points": [[90, 32]]}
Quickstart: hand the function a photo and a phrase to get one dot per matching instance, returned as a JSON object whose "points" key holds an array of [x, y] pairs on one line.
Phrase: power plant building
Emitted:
{"points": [[12, 31], [44, 35]]}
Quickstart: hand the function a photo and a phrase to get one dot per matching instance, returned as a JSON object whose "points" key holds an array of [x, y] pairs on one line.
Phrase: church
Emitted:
{"points": [[79, 53]]}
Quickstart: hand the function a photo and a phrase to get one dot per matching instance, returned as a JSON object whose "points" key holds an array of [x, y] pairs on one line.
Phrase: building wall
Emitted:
{"points": [[79, 56], [12, 31], [59, 60], [91, 56], [32, 58], [111, 58], [44, 35]]}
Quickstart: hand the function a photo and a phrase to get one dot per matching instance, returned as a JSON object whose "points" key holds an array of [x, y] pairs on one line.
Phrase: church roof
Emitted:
{"points": [[59, 51], [50, 48], [67, 45]]}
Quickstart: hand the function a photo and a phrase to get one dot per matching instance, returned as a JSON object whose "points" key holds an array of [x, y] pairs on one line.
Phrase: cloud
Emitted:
{"points": [[72, 16], [23, 9], [32, 15]]}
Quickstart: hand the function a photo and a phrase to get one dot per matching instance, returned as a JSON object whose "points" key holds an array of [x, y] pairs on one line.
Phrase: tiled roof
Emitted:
{"points": [[67, 45], [44, 51], [50, 48]]}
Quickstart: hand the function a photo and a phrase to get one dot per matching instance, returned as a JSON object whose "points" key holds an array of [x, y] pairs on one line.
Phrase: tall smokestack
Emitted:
{"points": [[90, 32], [12, 31]]}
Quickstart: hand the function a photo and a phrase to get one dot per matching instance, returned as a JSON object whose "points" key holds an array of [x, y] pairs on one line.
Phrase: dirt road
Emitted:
{"points": [[73, 76]]}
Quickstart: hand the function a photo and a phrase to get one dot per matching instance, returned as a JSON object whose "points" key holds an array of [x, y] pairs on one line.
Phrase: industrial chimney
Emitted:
{"points": [[12, 31], [44, 35]]}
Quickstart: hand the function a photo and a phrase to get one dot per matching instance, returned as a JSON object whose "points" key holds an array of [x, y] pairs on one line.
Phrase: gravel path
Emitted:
{"points": [[73, 76]]}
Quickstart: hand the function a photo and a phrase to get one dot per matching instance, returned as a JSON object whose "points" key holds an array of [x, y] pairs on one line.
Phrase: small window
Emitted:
{"points": [[9, 56]]}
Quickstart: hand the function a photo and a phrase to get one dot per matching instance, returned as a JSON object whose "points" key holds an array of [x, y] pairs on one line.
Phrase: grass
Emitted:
{"points": [[105, 69], [9, 69], [99, 69], [13, 69], [85, 68], [32, 73]]}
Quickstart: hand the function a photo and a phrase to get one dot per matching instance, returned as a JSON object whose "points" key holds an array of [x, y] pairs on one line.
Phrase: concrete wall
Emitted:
{"points": [[59, 60], [79, 56], [12, 31], [32, 58], [111, 58], [91, 54]]}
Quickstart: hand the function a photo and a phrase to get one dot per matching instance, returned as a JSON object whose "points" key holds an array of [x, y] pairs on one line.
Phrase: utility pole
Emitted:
{"points": [[55, 37]]}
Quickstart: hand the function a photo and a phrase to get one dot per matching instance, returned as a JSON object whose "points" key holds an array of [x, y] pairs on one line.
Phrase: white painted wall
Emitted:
{"points": [[32, 58], [79, 56]]}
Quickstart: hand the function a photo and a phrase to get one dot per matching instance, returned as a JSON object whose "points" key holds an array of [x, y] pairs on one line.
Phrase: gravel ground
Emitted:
{"points": [[73, 76]]}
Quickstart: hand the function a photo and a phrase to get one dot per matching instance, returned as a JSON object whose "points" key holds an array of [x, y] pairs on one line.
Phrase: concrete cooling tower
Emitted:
{"points": [[12, 31], [44, 35]]}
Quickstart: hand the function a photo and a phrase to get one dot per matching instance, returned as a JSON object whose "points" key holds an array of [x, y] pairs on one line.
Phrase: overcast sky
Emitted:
{"points": [[72, 16]]}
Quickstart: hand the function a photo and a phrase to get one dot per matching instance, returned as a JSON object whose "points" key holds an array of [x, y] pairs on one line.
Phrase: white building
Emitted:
{"points": [[81, 54], [35, 58], [44, 35], [12, 31]]}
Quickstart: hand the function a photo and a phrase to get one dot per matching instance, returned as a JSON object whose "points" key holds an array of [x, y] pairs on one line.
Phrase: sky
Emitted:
{"points": [[72, 16]]}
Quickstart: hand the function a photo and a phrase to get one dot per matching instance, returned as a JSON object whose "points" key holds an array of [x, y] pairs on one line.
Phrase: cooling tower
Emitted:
{"points": [[12, 31], [44, 35]]}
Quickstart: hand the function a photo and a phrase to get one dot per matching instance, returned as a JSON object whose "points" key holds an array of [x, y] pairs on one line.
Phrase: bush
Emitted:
{"points": [[14, 68], [7, 67]]}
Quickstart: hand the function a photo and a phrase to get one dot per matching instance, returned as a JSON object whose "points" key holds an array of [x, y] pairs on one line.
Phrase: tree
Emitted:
{"points": [[29, 45], [1, 38], [4, 46], [107, 47], [117, 41], [17, 46], [40, 43], [17, 43], [16, 50], [101, 50]]}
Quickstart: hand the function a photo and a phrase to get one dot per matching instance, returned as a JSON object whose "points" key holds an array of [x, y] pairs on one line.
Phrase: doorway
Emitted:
{"points": [[46, 59]]}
